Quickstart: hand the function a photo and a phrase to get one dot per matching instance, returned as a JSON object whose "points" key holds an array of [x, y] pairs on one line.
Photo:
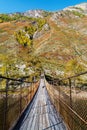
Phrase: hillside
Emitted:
{"points": [[65, 42], [56, 45]]}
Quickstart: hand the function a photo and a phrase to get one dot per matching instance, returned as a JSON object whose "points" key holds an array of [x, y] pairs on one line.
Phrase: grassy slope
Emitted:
{"points": [[65, 41], [10, 51]]}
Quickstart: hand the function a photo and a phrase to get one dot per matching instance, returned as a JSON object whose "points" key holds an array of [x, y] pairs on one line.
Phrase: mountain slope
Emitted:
{"points": [[61, 42], [65, 42], [34, 13], [82, 8]]}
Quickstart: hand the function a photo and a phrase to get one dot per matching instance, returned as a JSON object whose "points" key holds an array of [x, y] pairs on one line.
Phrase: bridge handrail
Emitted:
{"points": [[74, 76], [70, 77], [70, 104], [15, 99], [16, 79]]}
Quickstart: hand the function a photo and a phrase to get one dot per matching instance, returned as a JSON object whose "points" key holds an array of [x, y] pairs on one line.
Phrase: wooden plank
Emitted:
{"points": [[42, 114]]}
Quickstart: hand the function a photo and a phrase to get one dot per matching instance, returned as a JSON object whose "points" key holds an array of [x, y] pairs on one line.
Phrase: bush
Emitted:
{"points": [[78, 13], [23, 39]]}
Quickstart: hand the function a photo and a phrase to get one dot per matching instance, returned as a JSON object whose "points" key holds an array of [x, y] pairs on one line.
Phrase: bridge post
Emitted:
{"points": [[52, 92], [31, 90], [5, 106], [70, 86], [30, 93], [20, 98], [59, 96], [27, 96]]}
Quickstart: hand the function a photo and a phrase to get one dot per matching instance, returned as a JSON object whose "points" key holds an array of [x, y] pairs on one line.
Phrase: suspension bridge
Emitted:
{"points": [[48, 104]]}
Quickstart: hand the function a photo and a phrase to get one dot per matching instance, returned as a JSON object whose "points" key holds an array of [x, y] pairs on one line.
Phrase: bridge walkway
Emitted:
{"points": [[41, 114]]}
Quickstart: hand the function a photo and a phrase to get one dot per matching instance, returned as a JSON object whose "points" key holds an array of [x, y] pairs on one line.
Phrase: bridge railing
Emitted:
{"points": [[15, 95], [69, 96]]}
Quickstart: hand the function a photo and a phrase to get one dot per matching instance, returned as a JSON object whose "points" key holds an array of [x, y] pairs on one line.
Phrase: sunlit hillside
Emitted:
{"points": [[55, 41]]}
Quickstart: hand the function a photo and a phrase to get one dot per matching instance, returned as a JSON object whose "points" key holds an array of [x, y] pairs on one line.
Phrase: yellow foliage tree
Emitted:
{"points": [[73, 67]]}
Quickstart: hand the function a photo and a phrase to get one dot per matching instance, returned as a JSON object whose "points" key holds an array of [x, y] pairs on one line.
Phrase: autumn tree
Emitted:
{"points": [[22, 38], [73, 67]]}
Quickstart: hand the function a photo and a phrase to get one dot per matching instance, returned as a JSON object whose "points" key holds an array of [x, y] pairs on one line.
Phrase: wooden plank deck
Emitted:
{"points": [[41, 114]]}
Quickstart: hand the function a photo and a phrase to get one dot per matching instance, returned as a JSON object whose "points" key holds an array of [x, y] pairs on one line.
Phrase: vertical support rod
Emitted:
{"points": [[20, 98], [27, 94], [59, 96], [70, 92], [53, 91], [6, 106], [70, 85], [31, 90]]}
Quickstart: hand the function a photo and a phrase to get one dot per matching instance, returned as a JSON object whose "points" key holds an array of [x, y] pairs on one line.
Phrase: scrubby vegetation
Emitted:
{"points": [[20, 66], [25, 36], [12, 17], [61, 51], [23, 39], [78, 14], [73, 67]]}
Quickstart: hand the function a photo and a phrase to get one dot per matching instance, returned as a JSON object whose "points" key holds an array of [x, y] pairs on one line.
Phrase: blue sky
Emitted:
{"points": [[8, 6]]}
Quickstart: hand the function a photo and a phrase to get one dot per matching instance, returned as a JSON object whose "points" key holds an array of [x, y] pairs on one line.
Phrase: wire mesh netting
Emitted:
{"points": [[14, 97], [70, 99]]}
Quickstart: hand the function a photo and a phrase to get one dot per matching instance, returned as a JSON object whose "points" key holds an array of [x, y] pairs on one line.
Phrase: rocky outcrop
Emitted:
{"points": [[38, 33], [34, 13], [81, 8]]}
